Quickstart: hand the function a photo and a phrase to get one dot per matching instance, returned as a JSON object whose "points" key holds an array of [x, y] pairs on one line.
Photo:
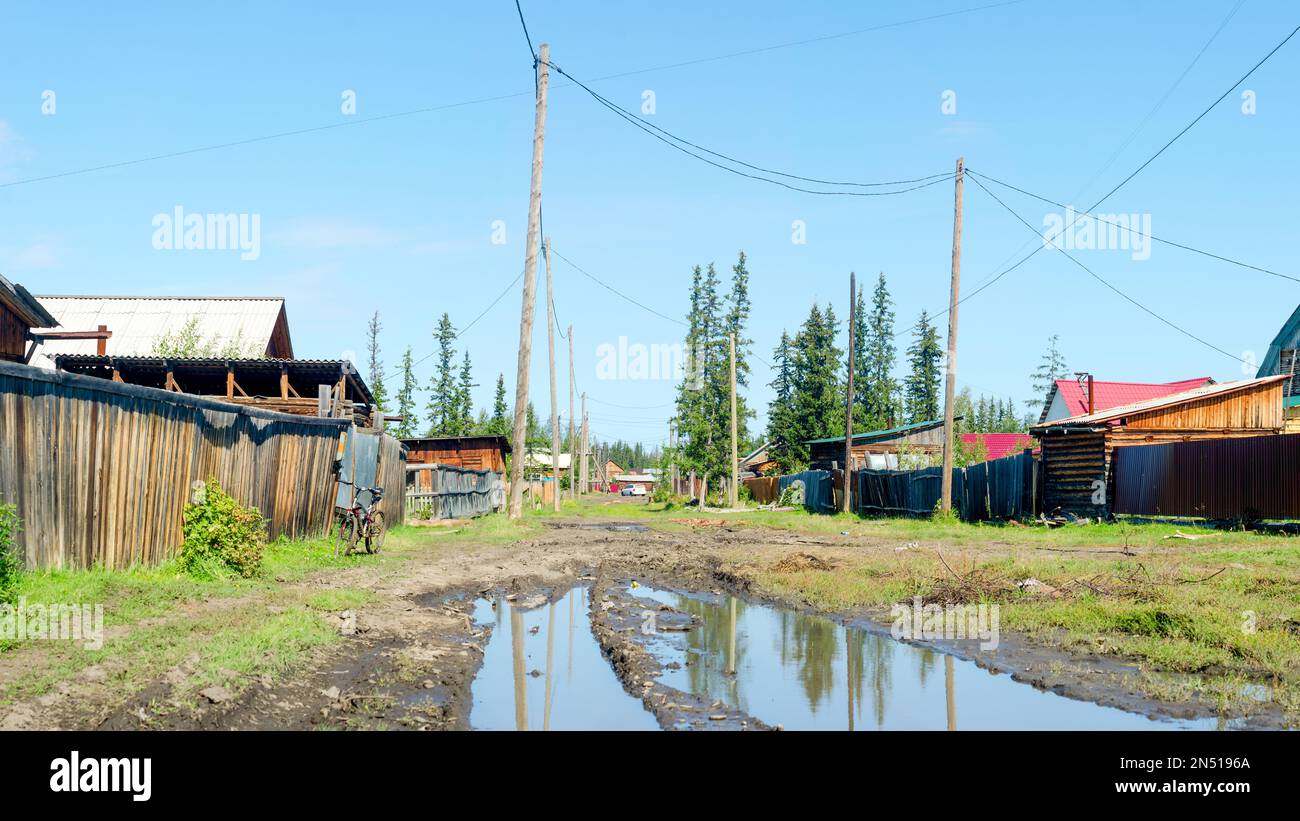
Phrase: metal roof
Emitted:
{"points": [[883, 434], [1112, 394], [137, 323], [496, 439], [1101, 417]]}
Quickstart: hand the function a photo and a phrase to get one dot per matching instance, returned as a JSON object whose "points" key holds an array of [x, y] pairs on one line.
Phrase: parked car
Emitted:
{"points": [[626, 491], [637, 490]]}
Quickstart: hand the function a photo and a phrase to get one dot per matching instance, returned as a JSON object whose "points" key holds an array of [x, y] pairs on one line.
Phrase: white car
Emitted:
{"points": [[632, 490]]}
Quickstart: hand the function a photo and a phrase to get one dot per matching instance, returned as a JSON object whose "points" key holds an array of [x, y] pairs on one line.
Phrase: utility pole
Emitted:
{"points": [[583, 455], [550, 351], [573, 447], [734, 495], [848, 403], [950, 382], [520, 444]]}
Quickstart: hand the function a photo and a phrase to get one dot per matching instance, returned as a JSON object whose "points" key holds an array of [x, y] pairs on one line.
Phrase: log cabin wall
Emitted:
{"points": [[13, 335], [100, 472]]}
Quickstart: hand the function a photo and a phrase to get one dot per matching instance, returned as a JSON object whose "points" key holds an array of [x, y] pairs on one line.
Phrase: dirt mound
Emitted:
{"points": [[795, 562]]}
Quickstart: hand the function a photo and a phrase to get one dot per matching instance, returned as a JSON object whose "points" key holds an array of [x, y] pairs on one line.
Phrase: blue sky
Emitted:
{"points": [[396, 215]]}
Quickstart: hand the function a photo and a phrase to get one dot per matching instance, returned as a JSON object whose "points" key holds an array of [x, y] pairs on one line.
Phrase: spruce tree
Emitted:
{"points": [[444, 406], [406, 398], [882, 388], [925, 357], [376, 365], [499, 424], [1050, 368], [465, 398]]}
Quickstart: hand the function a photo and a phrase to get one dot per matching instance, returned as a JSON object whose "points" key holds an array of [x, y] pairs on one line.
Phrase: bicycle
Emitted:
{"points": [[357, 523]]}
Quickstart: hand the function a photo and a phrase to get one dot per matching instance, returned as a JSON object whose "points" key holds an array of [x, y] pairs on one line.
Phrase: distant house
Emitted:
{"points": [[1069, 397], [878, 450], [757, 462], [1281, 359], [243, 327], [20, 312], [474, 452], [1078, 452], [645, 480], [537, 462], [996, 445]]}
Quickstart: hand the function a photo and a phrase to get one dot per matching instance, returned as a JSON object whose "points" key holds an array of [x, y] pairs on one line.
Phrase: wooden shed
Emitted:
{"points": [[884, 445], [19, 313], [487, 452], [1077, 452]]}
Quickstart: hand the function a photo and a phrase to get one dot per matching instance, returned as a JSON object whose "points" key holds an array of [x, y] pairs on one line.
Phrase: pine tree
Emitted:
{"points": [[922, 389], [861, 363], [406, 398], [784, 445], [882, 388], [444, 405], [1051, 368], [499, 424], [376, 365], [817, 394], [465, 398], [737, 318]]}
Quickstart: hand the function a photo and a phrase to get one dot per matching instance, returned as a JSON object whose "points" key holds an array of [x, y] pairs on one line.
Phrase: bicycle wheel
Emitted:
{"points": [[375, 535], [347, 535]]}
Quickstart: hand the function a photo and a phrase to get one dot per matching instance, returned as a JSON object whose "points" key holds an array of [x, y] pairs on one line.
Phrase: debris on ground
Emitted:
{"points": [[217, 695], [796, 562], [1180, 535], [1038, 588]]}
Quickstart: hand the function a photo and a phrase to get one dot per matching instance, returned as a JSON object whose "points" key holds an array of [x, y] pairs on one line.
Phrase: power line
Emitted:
{"points": [[614, 290], [1105, 282], [1136, 171], [672, 140], [527, 38], [630, 407], [1210, 254], [1137, 130]]}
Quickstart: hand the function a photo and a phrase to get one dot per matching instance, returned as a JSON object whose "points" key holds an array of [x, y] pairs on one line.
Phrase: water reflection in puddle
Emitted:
{"points": [[543, 670], [809, 673]]}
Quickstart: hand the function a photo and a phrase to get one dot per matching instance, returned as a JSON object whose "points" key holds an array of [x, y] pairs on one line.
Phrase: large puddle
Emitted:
{"points": [[805, 672], [544, 670]]}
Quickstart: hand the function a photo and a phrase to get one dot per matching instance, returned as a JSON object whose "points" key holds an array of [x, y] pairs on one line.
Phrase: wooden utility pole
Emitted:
{"points": [[848, 402], [550, 351], [950, 381], [734, 494], [520, 443], [573, 446], [583, 454]]}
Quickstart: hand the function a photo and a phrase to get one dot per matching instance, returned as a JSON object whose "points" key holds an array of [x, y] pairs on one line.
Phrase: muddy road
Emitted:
{"points": [[408, 659]]}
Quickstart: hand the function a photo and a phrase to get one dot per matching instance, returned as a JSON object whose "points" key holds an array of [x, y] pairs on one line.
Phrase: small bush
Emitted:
{"points": [[10, 565], [221, 536]]}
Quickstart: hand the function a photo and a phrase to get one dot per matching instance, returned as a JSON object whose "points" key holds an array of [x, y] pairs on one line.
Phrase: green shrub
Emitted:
{"points": [[10, 565], [221, 536]]}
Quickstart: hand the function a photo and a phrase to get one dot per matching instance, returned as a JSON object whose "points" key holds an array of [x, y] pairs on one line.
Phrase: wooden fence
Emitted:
{"points": [[999, 489], [101, 471], [450, 492]]}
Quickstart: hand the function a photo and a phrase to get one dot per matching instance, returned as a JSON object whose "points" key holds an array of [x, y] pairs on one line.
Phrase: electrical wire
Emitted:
{"points": [[1105, 282]]}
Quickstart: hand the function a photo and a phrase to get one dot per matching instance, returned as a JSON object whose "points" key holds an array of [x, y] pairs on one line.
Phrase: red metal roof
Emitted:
{"points": [[1114, 394], [997, 445]]}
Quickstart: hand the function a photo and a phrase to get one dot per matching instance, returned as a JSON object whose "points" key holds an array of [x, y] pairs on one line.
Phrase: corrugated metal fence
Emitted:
{"points": [[1254, 477], [449, 492], [818, 489], [101, 471], [999, 489]]}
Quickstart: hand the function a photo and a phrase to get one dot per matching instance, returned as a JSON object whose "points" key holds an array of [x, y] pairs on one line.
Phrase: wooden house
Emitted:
{"points": [[879, 449], [20, 312], [485, 452], [1077, 452]]}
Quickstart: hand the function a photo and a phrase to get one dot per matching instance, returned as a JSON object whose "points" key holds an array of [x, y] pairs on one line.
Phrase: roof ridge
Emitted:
{"points": [[126, 296]]}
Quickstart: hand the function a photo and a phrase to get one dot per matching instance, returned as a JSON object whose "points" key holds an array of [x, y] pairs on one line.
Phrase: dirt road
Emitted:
{"points": [[409, 655]]}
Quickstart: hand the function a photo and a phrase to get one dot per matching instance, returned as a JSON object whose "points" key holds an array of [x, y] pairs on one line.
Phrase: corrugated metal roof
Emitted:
{"points": [[882, 434], [1160, 402], [1113, 394], [997, 445], [23, 303], [137, 323]]}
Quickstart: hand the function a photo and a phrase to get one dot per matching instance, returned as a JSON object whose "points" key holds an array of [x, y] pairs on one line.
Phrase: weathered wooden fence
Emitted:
{"points": [[101, 471], [1255, 478], [450, 492], [999, 489]]}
